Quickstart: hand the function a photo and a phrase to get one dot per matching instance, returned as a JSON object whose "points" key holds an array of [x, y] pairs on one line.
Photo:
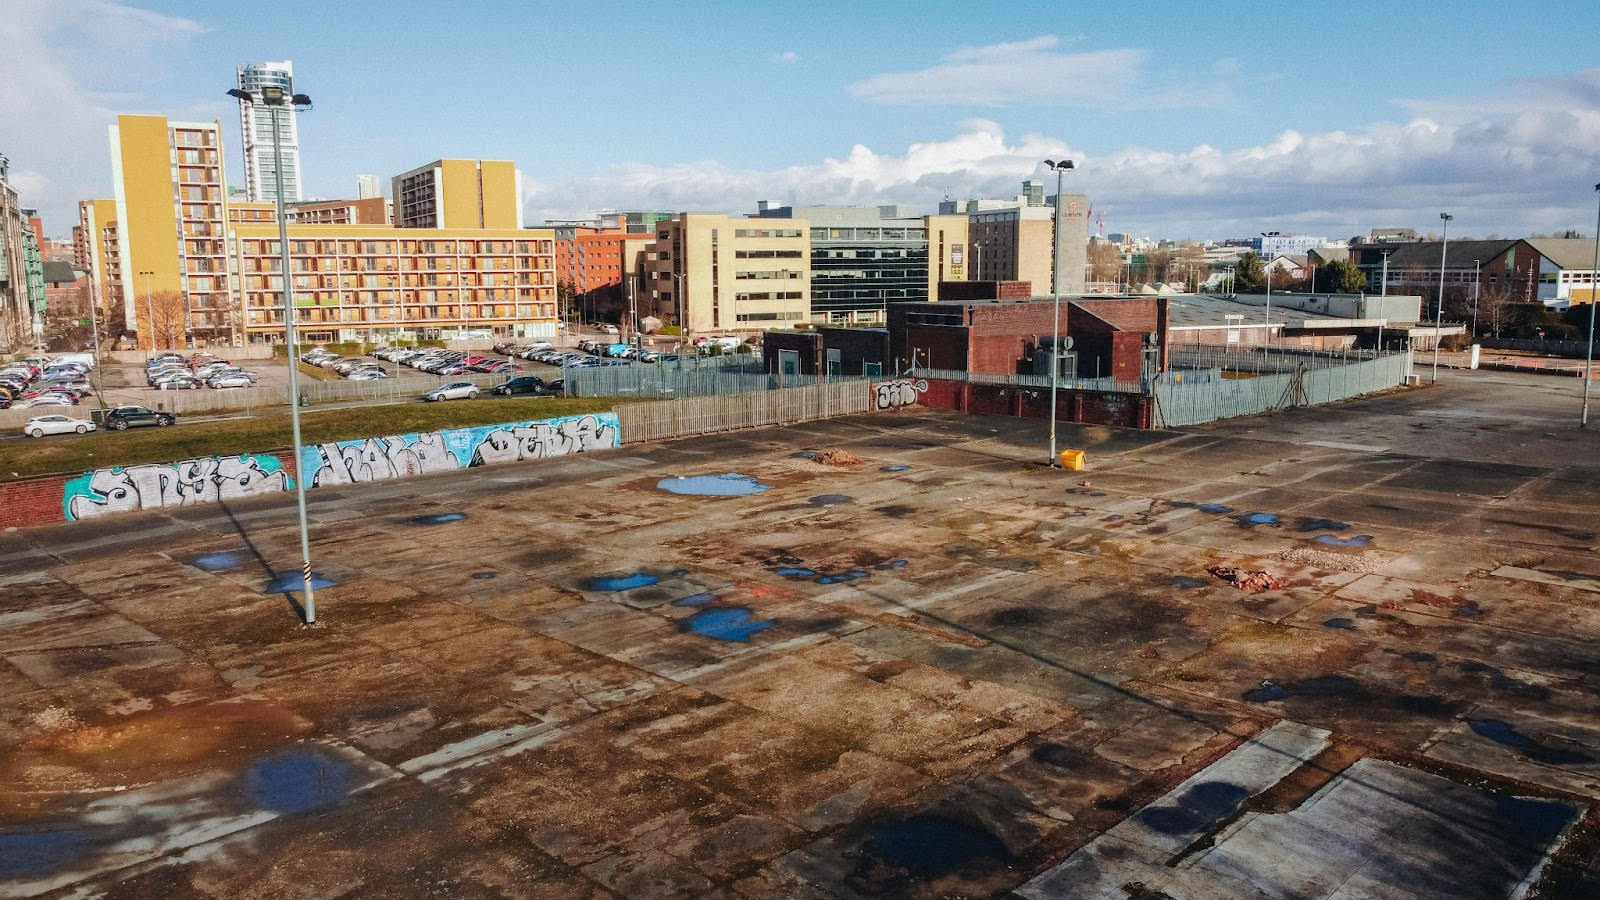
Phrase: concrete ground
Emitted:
{"points": [[965, 677]]}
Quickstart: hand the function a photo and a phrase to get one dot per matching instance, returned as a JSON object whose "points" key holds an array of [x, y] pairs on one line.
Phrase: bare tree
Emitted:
{"points": [[165, 311], [1105, 261]]}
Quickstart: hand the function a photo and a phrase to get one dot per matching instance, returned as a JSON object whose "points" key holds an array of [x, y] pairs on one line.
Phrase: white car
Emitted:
{"points": [[39, 426], [455, 390], [230, 380], [369, 375]]}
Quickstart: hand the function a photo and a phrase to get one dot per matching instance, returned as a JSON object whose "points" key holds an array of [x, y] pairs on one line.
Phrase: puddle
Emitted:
{"points": [[297, 780], [895, 468], [795, 572], [841, 577], [892, 564], [928, 847], [1213, 508], [1418, 656], [622, 582], [1503, 734], [1258, 518], [1504, 683], [439, 518], [804, 454], [483, 576], [1349, 624], [694, 600], [220, 561], [830, 500], [33, 854], [1323, 525], [1187, 583], [731, 484], [1320, 686], [1328, 540], [731, 623], [1197, 809], [678, 573], [289, 582], [1468, 609]]}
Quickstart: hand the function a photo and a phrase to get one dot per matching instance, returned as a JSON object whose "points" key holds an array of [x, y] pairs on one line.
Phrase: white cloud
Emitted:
{"points": [[787, 57], [65, 67], [1035, 72], [1528, 171]]}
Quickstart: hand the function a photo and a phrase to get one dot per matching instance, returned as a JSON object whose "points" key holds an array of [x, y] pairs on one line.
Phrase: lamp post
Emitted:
{"points": [[1477, 286], [275, 97], [1061, 169], [1594, 298], [149, 310], [1383, 289], [1438, 314]]}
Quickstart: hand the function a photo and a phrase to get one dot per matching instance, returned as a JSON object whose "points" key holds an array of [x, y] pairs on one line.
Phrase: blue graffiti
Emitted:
{"points": [[730, 485], [733, 624]]}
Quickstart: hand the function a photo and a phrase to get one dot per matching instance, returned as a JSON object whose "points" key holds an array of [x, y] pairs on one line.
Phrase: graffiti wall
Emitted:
{"points": [[406, 455], [895, 394], [184, 483]]}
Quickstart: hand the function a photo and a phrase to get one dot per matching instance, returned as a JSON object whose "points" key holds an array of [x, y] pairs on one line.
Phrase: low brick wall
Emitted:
{"points": [[1028, 402], [32, 501]]}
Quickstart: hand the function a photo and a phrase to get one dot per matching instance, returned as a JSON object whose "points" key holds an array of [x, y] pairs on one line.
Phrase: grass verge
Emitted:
{"points": [[74, 453]]}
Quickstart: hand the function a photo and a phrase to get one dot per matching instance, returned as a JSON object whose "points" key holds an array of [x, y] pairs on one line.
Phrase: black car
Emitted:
{"points": [[121, 418], [526, 384]]}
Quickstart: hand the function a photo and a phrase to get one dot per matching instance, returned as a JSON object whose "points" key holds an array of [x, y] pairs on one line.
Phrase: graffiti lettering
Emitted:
{"points": [[895, 394], [378, 459], [539, 440], [183, 483]]}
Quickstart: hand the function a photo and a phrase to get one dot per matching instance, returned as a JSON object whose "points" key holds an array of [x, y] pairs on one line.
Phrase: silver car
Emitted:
{"points": [[455, 390], [230, 380]]}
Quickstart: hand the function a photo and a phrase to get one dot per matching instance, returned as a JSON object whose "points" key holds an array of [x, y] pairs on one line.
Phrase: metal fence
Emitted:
{"points": [[1280, 379], [1072, 383], [689, 416], [685, 378]]}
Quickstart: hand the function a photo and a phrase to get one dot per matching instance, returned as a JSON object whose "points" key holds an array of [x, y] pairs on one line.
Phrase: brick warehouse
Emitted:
{"points": [[999, 336]]}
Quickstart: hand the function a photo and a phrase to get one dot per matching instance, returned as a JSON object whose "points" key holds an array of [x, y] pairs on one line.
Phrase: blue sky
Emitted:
{"points": [[1187, 121]]}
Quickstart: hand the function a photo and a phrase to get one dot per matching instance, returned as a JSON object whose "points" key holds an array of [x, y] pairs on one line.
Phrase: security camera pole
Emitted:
{"points": [[1055, 288]]}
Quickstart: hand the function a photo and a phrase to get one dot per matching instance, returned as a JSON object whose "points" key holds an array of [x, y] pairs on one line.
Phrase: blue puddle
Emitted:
{"points": [[730, 485], [1328, 540], [438, 518], [927, 847], [297, 780], [694, 600], [32, 854], [731, 623], [1215, 509], [893, 564], [896, 468], [804, 454], [678, 573], [794, 572], [842, 577], [1323, 525], [622, 582], [1347, 624], [1258, 518], [218, 562], [830, 500], [1188, 583], [482, 576], [289, 582]]}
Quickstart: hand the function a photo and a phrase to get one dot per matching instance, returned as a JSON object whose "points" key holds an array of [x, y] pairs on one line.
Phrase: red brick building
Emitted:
{"points": [[591, 259]]}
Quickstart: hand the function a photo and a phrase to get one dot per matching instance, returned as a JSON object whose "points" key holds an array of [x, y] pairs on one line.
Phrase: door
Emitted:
{"points": [[788, 362], [834, 364]]}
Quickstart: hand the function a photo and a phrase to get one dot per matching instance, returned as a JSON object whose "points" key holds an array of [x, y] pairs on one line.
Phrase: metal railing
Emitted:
{"points": [[1280, 380], [689, 416]]}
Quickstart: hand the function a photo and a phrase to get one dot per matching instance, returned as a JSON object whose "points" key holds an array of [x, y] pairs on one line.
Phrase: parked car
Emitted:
{"points": [[121, 418], [39, 426], [521, 384], [608, 328], [180, 383], [368, 375], [45, 400], [455, 390], [230, 380]]}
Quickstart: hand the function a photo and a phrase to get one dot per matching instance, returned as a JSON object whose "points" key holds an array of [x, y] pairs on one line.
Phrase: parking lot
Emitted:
{"points": [[720, 667]]}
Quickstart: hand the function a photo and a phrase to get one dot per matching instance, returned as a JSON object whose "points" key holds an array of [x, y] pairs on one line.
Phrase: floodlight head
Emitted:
{"points": [[300, 100], [1446, 216], [241, 95]]}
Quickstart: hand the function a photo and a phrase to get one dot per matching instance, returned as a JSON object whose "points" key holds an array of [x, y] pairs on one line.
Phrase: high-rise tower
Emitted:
{"points": [[256, 122]]}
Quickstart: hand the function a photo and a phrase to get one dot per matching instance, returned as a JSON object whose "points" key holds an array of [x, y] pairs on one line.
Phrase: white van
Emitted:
{"points": [[84, 358]]}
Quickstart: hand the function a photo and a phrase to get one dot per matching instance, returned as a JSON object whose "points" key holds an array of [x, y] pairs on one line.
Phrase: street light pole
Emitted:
{"points": [[275, 98], [1438, 314], [1477, 285], [1055, 289], [1594, 299]]}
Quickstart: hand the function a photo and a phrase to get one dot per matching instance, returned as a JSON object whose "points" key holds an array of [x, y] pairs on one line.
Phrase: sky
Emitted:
{"points": [[1184, 120]]}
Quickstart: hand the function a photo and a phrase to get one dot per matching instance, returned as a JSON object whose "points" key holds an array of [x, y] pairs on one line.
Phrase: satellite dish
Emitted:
{"points": [[1066, 342], [1151, 338]]}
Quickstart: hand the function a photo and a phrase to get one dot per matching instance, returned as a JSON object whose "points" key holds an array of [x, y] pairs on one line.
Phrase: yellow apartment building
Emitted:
{"points": [[376, 282], [711, 272], [459, 193], [171, 228], [95, 253]]}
